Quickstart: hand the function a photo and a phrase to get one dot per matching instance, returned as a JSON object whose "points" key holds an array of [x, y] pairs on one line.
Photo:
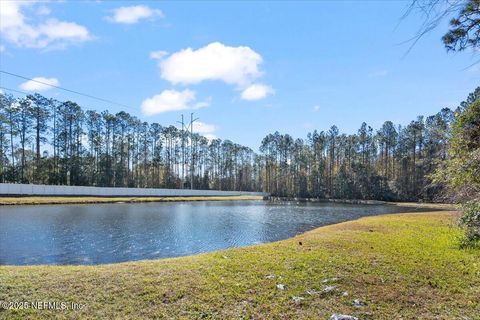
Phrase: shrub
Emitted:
{"points": [[471, 221]]}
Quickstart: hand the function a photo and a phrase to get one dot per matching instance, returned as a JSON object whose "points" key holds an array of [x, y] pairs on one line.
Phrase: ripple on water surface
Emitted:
{"points": [[93, 234]]}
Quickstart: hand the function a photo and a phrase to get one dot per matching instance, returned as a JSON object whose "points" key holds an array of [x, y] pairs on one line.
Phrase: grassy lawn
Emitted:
{"points": [[399, 266], [86, 200]]}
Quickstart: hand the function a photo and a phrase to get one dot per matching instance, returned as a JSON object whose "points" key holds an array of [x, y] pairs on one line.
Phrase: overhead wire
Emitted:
{"points": [[64, 89]]}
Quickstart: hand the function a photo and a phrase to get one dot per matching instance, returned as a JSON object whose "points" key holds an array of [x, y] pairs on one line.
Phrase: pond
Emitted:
{"points": [[108, 233]]}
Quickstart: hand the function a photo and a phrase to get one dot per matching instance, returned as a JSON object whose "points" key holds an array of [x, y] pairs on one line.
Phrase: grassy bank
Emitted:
{"points": [[439, 206], [86, 200], [403, 265]]}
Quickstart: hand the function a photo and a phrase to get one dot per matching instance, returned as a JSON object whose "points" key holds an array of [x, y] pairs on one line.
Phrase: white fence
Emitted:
{"points": [[47, 190]]}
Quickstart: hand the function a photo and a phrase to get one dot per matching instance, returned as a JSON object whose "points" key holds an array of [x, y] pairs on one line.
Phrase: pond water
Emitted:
{"points": [[107, 233]]}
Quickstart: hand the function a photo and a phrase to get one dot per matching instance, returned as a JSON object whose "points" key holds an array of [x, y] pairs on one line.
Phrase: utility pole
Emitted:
{"points": [[183, 152], [191, 149]]}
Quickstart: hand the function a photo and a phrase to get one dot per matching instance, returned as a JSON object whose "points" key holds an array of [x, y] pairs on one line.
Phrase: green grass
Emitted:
{"points": [[404, 266], [85, 200]]}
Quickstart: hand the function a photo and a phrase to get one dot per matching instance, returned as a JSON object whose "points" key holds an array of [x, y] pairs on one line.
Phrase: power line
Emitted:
{"points": [[13, 90], [65, 89]]}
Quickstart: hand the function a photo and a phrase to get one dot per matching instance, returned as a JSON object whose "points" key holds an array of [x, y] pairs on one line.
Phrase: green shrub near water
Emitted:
{"points": [[471, 221], [460, 172], [466, 147]]}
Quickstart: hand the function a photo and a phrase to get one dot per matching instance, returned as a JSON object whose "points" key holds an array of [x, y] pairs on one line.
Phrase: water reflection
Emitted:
{"points": [[93, 234]]}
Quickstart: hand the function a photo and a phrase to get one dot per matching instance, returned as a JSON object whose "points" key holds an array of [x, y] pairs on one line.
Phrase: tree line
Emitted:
{"points": [[46, 141], [391, 163]]}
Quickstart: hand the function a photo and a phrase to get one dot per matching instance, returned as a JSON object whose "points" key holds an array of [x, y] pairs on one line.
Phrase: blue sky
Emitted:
{"points": [[245, 69]]}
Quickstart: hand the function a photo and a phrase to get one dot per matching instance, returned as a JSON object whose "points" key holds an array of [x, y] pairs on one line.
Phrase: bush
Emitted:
{"points": [[471, 221]]}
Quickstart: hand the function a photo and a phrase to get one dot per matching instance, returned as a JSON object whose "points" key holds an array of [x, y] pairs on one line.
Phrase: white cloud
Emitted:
{"points": [[171, 100], [205, 129], [316, 108], [157, 55], [133, 14], [256, 92], [31, 85], [201, 127], [17, 29], [202, 104], [216, 61], [239, 66], [54, 29]]}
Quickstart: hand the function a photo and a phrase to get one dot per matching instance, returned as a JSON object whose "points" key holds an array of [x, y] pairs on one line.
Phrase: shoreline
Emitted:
{"points": [[432, 205], [52, 200], [386, 261]]}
